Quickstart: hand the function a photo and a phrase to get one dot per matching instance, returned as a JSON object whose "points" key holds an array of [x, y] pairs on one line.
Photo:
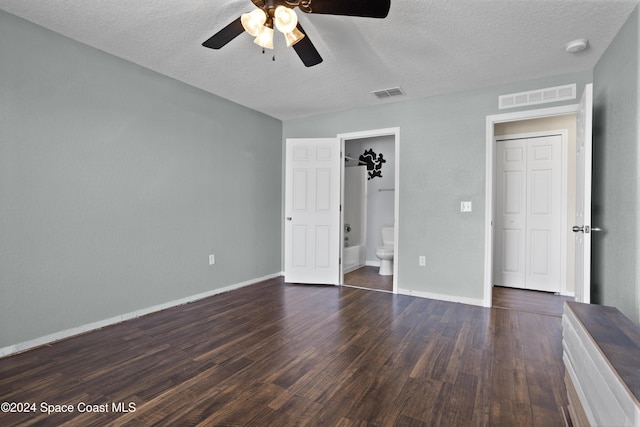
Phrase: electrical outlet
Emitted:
{"points": [[212, 259], [422, 260], [465, 206]]}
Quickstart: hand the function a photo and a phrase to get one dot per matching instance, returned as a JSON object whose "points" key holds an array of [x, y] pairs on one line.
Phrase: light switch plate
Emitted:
{"points": [[465, 207]]}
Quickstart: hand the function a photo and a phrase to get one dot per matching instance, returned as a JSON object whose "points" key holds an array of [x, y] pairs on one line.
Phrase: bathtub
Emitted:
{"points": [[352, 257]]}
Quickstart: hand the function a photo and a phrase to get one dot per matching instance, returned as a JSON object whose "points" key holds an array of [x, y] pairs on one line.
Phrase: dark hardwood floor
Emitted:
{"points": [[276, 354], [368, 278], [544, 303]]}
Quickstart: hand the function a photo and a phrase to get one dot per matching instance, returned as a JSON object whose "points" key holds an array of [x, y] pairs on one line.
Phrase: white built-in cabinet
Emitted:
{"points": [[601, 354]]}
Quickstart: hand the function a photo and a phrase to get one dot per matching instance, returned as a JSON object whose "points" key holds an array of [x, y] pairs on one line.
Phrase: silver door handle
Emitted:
{"points": [[585, 229]]}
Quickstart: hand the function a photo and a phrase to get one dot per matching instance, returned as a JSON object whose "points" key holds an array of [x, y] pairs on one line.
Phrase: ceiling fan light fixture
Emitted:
{"points": [[253, 21], [293, 37], [286, 22], [265, 38], [286, 19]]}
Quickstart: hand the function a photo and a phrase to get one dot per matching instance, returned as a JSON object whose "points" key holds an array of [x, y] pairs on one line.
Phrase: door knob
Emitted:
{"points": [[289, 218], [585, 229]]}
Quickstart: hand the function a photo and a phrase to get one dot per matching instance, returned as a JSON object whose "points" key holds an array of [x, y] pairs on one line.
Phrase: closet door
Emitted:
{"points": [[510, 239], [529, 213], [544, 213]]}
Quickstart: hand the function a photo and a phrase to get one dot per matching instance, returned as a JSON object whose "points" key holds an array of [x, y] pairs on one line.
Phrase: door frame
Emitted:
{"points": [[395, 132], [491, 121]]}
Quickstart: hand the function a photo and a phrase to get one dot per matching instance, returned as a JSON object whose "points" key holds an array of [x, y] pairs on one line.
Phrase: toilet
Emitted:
{"points": [[385, 252]]}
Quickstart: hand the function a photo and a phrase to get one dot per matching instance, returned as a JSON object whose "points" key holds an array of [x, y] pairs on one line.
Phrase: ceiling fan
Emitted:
{"points": [[260, 22]]}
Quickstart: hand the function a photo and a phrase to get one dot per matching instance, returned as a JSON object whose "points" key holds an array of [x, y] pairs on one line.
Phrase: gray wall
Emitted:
{"points": [[442, 162], [616, 198], [116, 183]]}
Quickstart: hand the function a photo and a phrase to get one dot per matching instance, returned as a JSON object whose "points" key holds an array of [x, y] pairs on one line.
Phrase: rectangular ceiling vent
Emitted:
{"points": [[388, 93], [540, 96]]}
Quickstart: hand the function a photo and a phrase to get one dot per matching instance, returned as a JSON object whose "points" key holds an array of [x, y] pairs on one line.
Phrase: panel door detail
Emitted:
{"points": [[529, 213], [511, 213], [544, 213], [312, 211]]}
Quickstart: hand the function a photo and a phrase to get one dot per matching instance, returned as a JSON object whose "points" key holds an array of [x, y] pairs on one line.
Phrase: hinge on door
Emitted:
{"points": [[340, 208], [339, 261]]}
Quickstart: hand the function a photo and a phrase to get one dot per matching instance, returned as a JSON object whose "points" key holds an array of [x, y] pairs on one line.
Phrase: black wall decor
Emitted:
{"points": [[373, 163]]}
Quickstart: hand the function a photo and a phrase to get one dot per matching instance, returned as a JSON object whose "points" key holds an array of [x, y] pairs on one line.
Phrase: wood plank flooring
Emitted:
{"points": [[544, 303], [367, 277], [276, 354]]}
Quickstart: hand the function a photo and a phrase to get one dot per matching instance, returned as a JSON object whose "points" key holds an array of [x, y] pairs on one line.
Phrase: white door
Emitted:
{"points": [[529, 209], [511, 187], [544, 213], [583, 196], [312, 211]]}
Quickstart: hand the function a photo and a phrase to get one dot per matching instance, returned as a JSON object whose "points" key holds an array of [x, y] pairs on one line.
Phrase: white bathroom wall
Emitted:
{"points": [[380, 208], [355, 203]]}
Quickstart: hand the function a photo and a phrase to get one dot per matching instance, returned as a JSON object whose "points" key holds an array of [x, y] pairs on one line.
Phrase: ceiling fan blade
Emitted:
{"points": [[307, 51], [225, 35], [362, 8]]}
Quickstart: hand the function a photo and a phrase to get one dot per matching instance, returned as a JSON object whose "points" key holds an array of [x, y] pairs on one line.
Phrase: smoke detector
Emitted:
{"points": [[577, 46]]}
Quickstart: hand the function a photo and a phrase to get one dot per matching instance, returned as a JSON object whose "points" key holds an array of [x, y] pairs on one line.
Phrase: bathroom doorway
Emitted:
{"points": [[369, 204]]}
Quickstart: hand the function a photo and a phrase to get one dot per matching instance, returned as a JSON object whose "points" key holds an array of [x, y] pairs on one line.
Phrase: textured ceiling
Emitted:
{"points": [[427, 47]]}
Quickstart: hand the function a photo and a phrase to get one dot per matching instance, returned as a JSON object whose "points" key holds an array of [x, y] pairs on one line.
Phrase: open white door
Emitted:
{"points": [[312, 211], [582, 228]]}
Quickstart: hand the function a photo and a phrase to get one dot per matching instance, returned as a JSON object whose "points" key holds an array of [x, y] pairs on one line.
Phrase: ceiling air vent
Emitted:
{"points": [[388, 93], [540, 96]]}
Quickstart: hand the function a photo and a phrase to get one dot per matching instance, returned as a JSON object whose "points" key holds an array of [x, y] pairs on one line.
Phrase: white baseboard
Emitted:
{"points": [[372, 263], [57, 336], [441, 297], [351, 268]]}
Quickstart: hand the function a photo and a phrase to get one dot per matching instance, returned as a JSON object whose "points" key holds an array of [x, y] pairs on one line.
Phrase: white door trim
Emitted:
{"points": [[370, 134], [584, 185], [564, 136], [489, 178]]}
